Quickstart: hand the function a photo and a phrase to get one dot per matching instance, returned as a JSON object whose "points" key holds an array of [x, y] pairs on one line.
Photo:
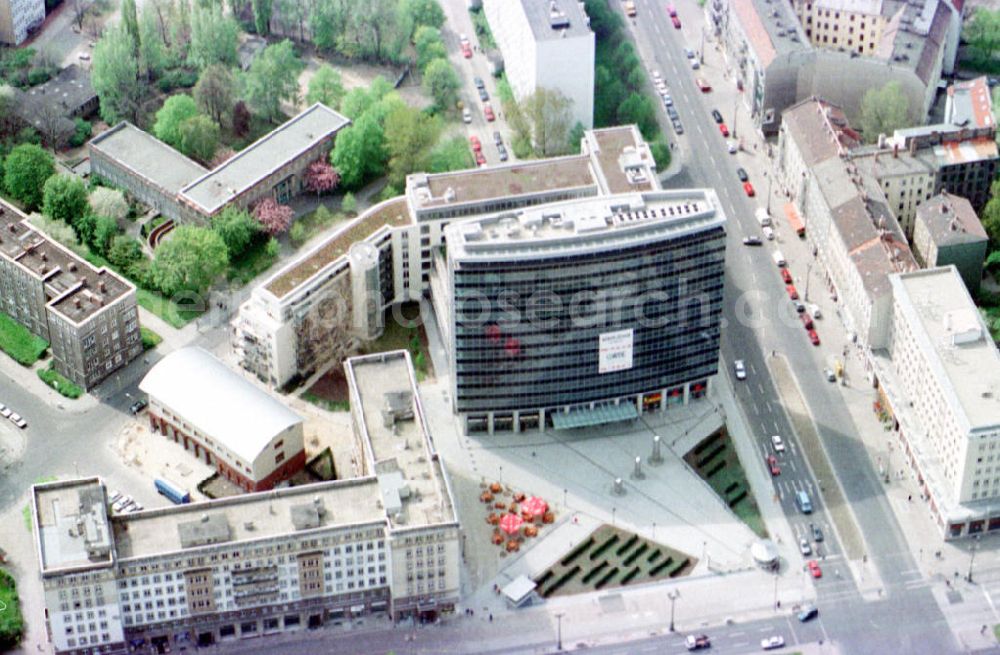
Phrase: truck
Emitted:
{"points": [[173, 491], [763, 217], [630, 8]]}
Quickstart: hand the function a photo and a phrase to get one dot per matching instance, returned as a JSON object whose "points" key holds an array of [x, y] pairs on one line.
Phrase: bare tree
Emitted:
{"points": [[52, 124], [93, 27], [80, 8]]}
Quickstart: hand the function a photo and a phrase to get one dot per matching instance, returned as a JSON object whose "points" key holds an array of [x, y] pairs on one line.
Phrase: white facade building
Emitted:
{"points": [[17, 17], [546, 44]]}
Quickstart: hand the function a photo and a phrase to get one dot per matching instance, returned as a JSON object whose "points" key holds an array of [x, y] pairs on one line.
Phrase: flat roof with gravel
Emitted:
{"points": [[147, 157]]}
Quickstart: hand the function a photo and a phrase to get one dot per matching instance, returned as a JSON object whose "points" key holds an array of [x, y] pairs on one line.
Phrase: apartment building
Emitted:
{"points": [[854, 25], [546, 45], [273, 166], [621, 295], [940, 380], [947, 231], [88, 315], [315, 310], [18, 18], [195, 575], [252, 439]]}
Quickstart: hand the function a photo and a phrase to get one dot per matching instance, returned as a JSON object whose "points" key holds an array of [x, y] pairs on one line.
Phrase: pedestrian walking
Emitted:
{"points": [[491, 617]]}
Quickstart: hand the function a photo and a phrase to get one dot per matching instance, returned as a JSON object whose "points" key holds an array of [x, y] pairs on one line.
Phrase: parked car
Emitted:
{"points": [[678, 127], [815, 311], [829, 375], [752, 241], [813, 337], [816, 532], [5, 411], [488, 112], [137, 406], [475, 143], [483, 95], [748, 189], [478, 81], [16, 419], [667, 100], [768, 233], [704, 86], [115, 497], [723, 129], [463, 42], [808, 613], [742, 174], [741, 369], [732, 147], [689, 53], [676, 21], [786, 276], [503, 152], [695, 64], [772, 642], [498, 138], [807, 321], [772, 466], [778, 444], [480, 158], [656, 77], [697, 642], [799, 307], [136, 507], [792, 291], [672, 113], [717, 115], [123, 502], [804, 547], [466, 115]]}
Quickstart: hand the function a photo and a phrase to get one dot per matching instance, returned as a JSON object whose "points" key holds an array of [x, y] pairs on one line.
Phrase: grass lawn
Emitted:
{"points": [[168, 310], [251, 263], [398, 336], [11, 622], [150, 339], [19, 343], [325, 403], [60, 383]]}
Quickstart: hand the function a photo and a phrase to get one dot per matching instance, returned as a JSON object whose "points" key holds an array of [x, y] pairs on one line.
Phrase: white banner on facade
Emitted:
{"points": [[615, 351]]}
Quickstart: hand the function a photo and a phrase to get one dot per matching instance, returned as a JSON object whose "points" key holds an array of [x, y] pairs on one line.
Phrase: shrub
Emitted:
{"points": [[150, 339], [349, 204], [82, 131], [57, 381]]}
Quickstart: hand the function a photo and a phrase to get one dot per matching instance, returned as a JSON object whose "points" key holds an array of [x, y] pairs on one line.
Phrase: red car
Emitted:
{"points": [[814, 569], [488, 112], [463, 42], [480, 158], [806, 320], [792, 292], [748, 188], [786, 276], [772, 464], [671, 10], [475, 143], [676, 21], [813, 337], [723, 129], [702, 84]]}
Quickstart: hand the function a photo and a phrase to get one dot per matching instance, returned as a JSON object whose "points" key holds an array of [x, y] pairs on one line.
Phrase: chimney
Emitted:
{"points": [[76, 303], [72, 267], [895, 151], [45, 257], [100, 286]]}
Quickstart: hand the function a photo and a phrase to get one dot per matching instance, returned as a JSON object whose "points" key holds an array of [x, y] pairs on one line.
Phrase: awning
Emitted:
{"points": [[519, 590], [582, 417]]}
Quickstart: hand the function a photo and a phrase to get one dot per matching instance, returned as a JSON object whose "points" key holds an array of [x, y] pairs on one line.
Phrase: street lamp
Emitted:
{"points": [[673, 596], [776, 592], [613, 511], [770, 178], [559, 616], [972, 557], [565, 502], [736, 105], [808, 270]]}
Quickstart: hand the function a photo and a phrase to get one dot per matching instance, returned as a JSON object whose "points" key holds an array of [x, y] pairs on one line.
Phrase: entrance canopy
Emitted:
{"points": [[582, 417], [519, 591]]}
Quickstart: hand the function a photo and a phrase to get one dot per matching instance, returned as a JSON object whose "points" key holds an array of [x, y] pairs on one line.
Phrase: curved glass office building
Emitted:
{"points": [[583, 312]]}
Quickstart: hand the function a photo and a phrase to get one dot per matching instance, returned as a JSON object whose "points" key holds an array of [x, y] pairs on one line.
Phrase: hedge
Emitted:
{"points": [[19, 343]]}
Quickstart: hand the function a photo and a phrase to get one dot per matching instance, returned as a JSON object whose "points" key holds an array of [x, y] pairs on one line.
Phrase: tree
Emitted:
{"points": [[450, 155], [661, 154], [321, 177], [61, 232], [547, 112], [409, 134], [638, 108], [297, 233], [190, 260], [420, 13], [105, 229], [241, 119], [108, 202], [124, 251], [175, 111], [360, 99], [348, 204], [576, 136], [429, 45], [199, 138], [326, 86], [441, 83], [237, 228], [262, 16], [115, 77], [214, 39], [152, 49], [64, 198], [8, 119], [80, 8], [884, 110], [130, 21], [81, 132], [359, 152], [327, 22], [981, 34], [26, 169], [272, 77], [273, 218], [991, 220], [215, 90], [54, 127]]}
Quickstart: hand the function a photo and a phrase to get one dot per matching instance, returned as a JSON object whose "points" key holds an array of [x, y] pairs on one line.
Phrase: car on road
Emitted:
{"points": [[808, 613], [748, 189], [672, 113], [689, 53], [695, 64], [476, 144], [480, 158], [804, 547], [678, 127], [488, 112], [723, 129], [772, 466], [799, 307], [807, 321], [483, 95], [478, 81], [829, 375], [813, 337], [752, 241], [676, 21], [502, 149], [732, 147], [779, 445], [667, 100], [697, 642], [497, 138], [814, 569], [466, 115], [741, 369], [716, 115], [792, 291], [816, 532], [137, 406], [5, 411], [742, 174], [463, 42], [768, 233], [16, 419], [815, 311], [772, 642], [704, 86], [786, 276]]}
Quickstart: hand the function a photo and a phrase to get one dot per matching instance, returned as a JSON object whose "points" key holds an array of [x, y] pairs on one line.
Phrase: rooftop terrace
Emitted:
{"points": [[624, 159]]}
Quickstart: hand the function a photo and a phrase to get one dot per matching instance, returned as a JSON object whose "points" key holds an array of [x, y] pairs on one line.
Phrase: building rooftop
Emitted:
{"points": [[216, 188], [147, 157], [392, 213], [602, 222], [873, 7], [73, 287], [68, 92], [396, 441], [969, 104], [219, 402], [623, 159], [247, 517], [771, 28], [556, 19], [951, 220], [952, 333], [820, 130], [71, 525], [914, 35]]}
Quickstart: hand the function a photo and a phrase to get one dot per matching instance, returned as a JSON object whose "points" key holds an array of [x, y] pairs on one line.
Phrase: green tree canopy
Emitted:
{"points": [[326, 86], [26, 169], [419, 13], [450, 155], [237, 228], [441, 83], [981, 34], [547, 112], [108, 202], [199, 138], [215, 90], [175, 111], [429, 45], [639, 109], [262, 16], [189, 260], [359, 152], [64, 198], [115, 76], [359, 99], [214, 38], [884, 110], [273, 77], [409, 134]]}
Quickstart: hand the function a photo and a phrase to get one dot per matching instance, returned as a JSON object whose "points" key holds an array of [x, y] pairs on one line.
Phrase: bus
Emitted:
{"points": [[173, 491], [794, 220]]}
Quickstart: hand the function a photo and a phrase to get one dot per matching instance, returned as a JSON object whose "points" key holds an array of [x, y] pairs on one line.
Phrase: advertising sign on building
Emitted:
{"points": [[615, 351]]}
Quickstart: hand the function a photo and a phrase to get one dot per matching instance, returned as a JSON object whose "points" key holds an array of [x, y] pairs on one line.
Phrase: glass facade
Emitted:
{"points": [[528, 331]]}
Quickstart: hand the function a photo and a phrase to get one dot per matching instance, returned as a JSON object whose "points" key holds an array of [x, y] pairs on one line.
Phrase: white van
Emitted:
{"points": [[763, 217], [768, 233], [778, 258], [814, 310]]}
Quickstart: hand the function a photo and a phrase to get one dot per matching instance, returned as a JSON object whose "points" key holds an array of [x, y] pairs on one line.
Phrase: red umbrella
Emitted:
{"points": [[511, 523], [535, 505]]}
